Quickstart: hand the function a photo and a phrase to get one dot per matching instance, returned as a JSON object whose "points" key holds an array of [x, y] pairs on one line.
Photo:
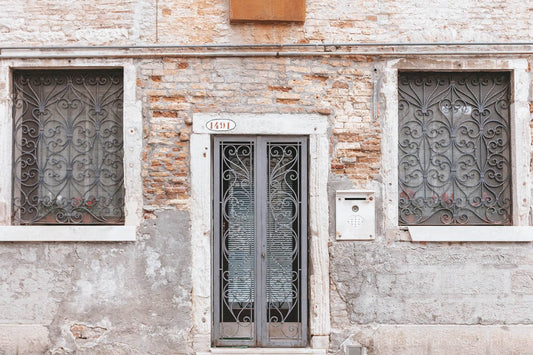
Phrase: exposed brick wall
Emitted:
{"points": [[167, 124], [173, 89], [207, 21], [59, 22], [356, 132]]}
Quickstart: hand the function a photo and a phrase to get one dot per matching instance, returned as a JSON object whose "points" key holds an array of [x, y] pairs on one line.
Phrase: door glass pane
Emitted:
{"points": [[237, 244], [283, 274]]}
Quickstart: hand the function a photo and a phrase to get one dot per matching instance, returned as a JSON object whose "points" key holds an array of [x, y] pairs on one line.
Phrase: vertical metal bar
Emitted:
{"points": [[303, 238], [511, 137], [17, 151], [261, 210], [216, 240]]}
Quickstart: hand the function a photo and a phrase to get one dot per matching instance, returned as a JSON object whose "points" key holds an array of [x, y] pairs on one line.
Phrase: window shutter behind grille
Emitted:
{"points": [[240, 244]]}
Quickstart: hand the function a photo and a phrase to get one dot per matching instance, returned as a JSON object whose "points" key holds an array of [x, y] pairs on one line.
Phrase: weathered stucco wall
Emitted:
{"points": [[433, 284], [389, 295], [114, 298]]}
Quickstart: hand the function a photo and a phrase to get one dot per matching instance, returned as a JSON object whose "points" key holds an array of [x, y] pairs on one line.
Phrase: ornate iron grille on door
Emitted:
{"points": [[454, 148], [260, 240], [68, 151]]}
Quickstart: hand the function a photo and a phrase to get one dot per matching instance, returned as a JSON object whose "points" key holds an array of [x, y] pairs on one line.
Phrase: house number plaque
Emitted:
{"points": [[220, 125]]}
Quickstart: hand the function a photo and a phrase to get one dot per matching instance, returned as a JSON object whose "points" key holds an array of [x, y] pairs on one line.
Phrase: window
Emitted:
{"points": [[260, 241], [454, 148], [68, 147], [267, 10]]}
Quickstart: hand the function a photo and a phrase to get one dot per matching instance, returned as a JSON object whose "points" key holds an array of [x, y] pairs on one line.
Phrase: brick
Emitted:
{"points": [[279, 88], [340, 85], [173, 99], [287, 101], [165, 114], [318, 77]]}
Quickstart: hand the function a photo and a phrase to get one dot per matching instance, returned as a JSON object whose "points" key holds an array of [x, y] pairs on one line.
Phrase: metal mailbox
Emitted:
{"points": [[355, 215]]}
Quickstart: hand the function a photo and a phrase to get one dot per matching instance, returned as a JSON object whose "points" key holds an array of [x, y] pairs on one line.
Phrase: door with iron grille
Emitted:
{"points": [[260, 241]]}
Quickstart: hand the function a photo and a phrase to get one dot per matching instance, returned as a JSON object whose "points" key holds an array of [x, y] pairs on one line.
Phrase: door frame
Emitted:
{"points": [[316, 128]]}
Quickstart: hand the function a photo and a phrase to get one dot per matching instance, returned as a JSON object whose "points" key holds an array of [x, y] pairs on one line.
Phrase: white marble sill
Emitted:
{"points": [[67, 233], [471, 233]]}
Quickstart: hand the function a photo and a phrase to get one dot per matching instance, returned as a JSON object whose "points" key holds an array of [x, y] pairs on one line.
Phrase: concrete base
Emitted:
{"points": [[24, 339], [447, 339]]}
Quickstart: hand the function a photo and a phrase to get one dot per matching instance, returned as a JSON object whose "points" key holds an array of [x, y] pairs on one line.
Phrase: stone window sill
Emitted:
{"points": [[67, 233], [471, 233]]}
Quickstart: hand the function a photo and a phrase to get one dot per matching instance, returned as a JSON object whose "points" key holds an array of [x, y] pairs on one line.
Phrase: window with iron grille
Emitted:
{"points": [[68, 147], [454, 148], [260, 241]]}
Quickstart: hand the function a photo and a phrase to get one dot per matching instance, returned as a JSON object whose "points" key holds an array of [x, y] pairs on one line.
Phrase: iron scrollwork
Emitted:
{"points": [[454, 149], [237, 274], [68, 147], [283, 246]]}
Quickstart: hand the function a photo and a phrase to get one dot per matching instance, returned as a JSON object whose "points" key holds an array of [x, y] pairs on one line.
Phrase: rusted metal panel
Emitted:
{"points": [[267, 10]]}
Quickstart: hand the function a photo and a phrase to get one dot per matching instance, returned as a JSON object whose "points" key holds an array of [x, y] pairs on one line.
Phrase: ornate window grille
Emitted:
{"points": [[260, 239], [68, 147], [454, 148]]}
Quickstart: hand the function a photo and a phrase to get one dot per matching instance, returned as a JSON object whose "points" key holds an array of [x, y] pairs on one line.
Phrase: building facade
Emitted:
{"points": [[351, 177]]}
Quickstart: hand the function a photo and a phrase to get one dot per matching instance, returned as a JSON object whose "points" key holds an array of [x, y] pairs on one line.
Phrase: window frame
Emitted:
{"points": [[132, 147], [520, 147], [311, 125]]}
